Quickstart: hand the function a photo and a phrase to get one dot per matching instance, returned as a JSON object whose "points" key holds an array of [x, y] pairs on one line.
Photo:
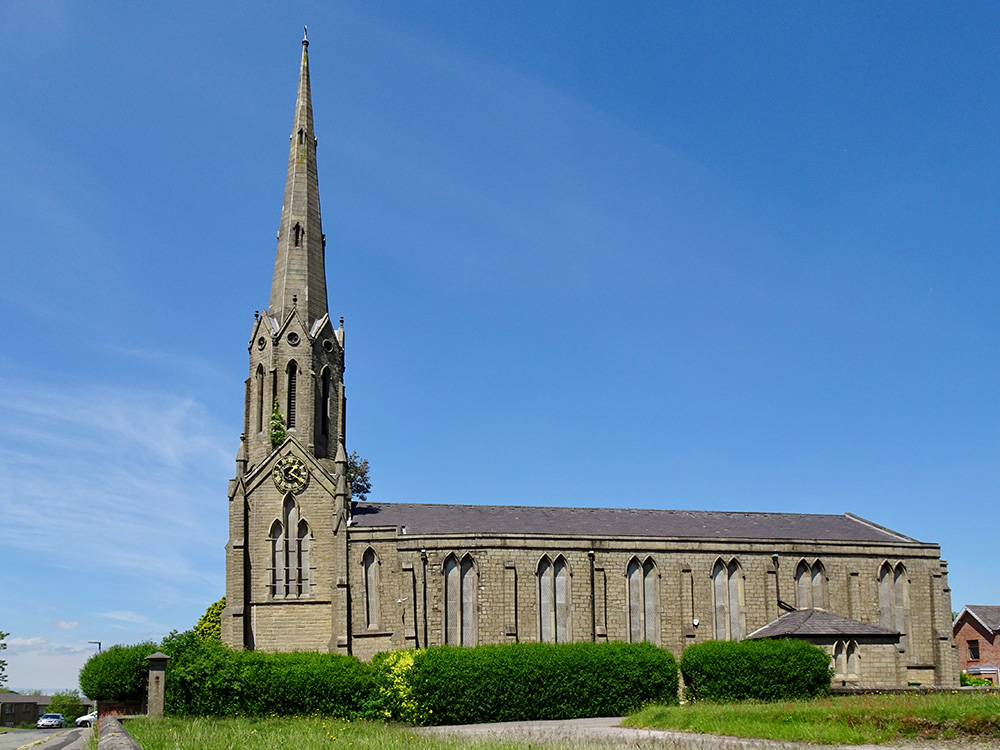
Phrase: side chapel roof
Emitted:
{"points": [[805, 623]]}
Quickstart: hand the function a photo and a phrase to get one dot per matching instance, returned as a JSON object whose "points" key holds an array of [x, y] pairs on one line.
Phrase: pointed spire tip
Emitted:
{"points": [[305, 36]]}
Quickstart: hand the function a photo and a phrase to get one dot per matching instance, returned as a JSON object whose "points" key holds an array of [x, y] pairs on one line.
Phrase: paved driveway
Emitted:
{"points": [[74, 738]]}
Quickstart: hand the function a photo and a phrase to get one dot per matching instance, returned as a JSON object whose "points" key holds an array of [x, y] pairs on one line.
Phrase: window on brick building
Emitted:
{"points": [[641, 579], [973, 650], [729, 600], [460, 595], [553, 600]]}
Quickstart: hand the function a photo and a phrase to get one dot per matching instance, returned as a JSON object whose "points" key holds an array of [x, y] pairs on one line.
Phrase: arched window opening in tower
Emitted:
{"points": [[293, 373]]}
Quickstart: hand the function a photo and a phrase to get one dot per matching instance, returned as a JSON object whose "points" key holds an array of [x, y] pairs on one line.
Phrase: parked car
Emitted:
{"points": [[51, 721], [87, 719]]}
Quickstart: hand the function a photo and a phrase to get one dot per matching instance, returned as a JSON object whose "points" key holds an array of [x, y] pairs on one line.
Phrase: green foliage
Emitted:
{"points": [[68, 704], [967, 680], [357, 476], [3, 664], [206, 678], [210, 624], [530, 681], [277, 426], [118, 673], [764, 670]]}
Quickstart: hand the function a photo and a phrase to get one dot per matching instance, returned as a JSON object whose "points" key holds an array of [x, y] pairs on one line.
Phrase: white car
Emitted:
{"points": [[87, 719], [51, 721]]}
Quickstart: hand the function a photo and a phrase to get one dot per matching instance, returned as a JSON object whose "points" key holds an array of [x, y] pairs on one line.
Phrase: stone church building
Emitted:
{"points": [[307, 568]]}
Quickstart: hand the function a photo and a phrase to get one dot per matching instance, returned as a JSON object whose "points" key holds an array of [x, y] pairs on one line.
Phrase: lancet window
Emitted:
{"points": [[553, 600], [371, 564], [291, 545], [729, 600], [810, 586], [460, 597], [293, 377], [894, 600], [643, 605]]}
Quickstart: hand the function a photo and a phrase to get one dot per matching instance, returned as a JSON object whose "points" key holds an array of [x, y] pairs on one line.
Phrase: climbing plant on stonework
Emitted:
{"points": [[277, 426], [210, 624]]}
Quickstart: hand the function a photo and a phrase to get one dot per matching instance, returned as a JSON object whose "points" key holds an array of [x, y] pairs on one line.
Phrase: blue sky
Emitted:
{"points": [[686, 255]]}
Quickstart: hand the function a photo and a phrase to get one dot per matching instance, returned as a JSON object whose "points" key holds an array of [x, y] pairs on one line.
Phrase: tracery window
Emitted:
{"points": [[291, 544], [643, 604], [729, 599], [810, 586], [460, 596], [370, 564], [553, 600], [894, 600]]}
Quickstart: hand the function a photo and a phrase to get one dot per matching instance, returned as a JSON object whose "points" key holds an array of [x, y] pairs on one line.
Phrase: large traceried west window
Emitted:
{"points": [[894, 600], [643, 604], [553, 600], [729, 600], [370, 564], [291, 545], [461, 583], [810, 586]]}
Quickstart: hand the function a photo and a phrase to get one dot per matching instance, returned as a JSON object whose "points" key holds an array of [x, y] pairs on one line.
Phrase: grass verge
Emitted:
{"points": [[837, 720], [302, 733]]}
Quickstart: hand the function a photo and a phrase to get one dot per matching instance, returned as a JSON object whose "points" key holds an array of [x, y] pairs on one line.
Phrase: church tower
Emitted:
{"points": [[289, 501]]}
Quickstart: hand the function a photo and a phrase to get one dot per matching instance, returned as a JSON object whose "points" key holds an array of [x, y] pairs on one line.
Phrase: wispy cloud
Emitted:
{"points": [[63, 625], [133, 618]]}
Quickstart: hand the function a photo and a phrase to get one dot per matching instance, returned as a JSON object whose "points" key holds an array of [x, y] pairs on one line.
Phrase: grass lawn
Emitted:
{"points": [[304, 733], [847, 720]]}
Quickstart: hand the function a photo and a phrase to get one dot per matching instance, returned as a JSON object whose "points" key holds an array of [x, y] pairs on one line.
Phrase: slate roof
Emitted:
{"points": [[817, 622], [988, 615], [431, 518]]}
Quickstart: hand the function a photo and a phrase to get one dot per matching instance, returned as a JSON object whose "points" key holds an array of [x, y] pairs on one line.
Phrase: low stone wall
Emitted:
{"points": [[114, 737]]}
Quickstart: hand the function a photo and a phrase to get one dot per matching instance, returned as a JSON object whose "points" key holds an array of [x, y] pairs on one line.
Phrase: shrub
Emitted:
{"points": [[529, 681], [967, 680], [206, 678], [117, 674], [765, 670]]}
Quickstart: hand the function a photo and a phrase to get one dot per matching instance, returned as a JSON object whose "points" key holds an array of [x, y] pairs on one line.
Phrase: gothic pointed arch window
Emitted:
{"points": [[894, 600], [259, 394], [277, 553], [728, 596], [553, 599], [846, 660], [371, 564], [326, 381], [293, 377], [290, 542], [643, 602], [810, 585], [460, 598]]}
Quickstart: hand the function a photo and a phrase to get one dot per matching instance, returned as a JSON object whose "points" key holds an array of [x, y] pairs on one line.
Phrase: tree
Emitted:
{"points": [[68, 704], [357, 476], [210, 623], [277, 426], [3, 664]]}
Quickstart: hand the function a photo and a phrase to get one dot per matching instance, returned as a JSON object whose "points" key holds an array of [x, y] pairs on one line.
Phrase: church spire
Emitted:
{"points": [[299, 270]]}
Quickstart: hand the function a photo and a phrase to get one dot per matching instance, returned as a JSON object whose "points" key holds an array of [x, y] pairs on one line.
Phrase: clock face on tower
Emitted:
{"points": [[290, 475]]}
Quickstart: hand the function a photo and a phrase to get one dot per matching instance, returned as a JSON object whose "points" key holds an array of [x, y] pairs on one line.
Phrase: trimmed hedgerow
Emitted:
{"points": [[765, 670], [206, 678], [117, 673], [529, 681]]}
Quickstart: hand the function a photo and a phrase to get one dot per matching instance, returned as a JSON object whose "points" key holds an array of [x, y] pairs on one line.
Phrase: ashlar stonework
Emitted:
{"points": [[308, 568]]}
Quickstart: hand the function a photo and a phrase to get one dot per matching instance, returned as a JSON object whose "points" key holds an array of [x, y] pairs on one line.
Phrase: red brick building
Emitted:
{"points": [[977, 635]]}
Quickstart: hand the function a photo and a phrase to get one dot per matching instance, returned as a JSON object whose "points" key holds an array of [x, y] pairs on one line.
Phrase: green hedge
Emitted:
{"points": [[529, 681], [118, 673], [765, 670], [205, 678]]}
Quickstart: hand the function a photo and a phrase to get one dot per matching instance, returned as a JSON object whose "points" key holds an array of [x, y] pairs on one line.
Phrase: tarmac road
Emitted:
{"points": [[72, 738]]}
